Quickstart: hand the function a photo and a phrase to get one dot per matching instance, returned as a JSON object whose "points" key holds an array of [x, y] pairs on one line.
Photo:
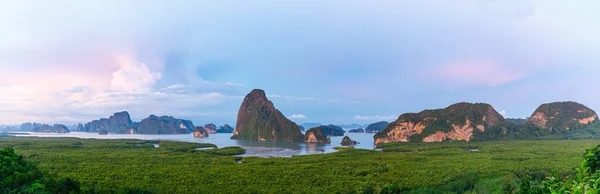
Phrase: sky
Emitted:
{"points": [[335, 61]]}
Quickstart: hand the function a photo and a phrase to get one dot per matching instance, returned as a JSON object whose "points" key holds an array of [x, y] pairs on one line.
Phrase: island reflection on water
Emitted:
{"points": [[253, 148]]}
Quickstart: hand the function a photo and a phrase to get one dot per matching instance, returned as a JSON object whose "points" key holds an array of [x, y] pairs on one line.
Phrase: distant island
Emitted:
{"points": [[44, 128], [376, 127], [333, 130], [120, 123], [259, 120], [359, 130], [225, 129]]}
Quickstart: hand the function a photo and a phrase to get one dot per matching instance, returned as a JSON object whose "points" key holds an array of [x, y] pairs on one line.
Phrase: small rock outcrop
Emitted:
{"points": [[225, 129], [102, 132], [346, 141], [359, 130], [333, 130], [562, 116], [376, 127], [164, 125], [56, 128], [200, 132], [259, 120], [210, 128], [316, 135]]}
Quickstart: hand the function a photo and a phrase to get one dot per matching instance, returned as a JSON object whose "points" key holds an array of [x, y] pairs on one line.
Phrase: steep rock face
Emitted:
{"points": [[456, 122], [210, 128], [376, 127], [259, 120], [119, 122], [56, 128], [200, 132], [562, 116], [333, 130], [80, 127], [225, 129], [346, 141], [164, 125], [316, 135], [359, 130]]}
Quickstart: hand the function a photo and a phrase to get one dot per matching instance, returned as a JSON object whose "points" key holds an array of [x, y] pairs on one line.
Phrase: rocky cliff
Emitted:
{"points": [[259, 120], [80, 127], [316, 135], [164, 125], [225, 129], [562, 116], [456, 122], [376, 127], [119, 122], [210, 128], [200, 132], [56, 128]]}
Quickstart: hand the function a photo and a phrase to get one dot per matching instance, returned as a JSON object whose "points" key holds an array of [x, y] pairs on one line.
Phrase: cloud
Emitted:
{"points": [[468, 73], [488, 51], [131, 88], [134, 77], [297, 116], [374, 118]]}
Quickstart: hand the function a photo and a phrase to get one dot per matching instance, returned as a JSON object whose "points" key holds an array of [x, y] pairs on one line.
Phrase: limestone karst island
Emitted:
{"points": [[299, 97]]}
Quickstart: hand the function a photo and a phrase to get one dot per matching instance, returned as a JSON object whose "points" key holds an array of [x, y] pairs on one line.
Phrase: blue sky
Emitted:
{"points": [[319, 61]]}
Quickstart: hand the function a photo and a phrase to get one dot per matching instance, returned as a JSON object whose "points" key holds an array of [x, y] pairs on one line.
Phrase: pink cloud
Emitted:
{"points": [[470, 73]]}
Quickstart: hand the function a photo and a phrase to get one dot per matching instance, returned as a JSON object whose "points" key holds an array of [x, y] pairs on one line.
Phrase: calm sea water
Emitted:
{"points": [[260, 149]]}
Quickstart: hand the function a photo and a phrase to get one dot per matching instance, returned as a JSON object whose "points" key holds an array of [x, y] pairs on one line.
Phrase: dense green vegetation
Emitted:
{"points": [[560, 115], [184, 146], [128, 165], [18, 175], [587, 179], [564, 115], [444, 119], [226, 151]]}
